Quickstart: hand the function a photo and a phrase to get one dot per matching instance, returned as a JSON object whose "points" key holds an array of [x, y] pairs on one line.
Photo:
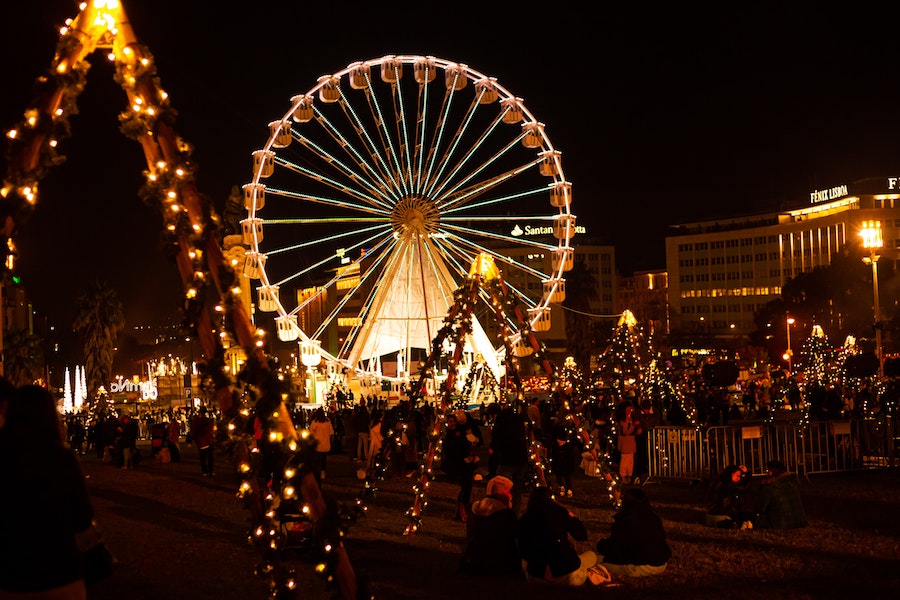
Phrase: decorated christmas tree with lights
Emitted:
{"points": [[621, 366]]}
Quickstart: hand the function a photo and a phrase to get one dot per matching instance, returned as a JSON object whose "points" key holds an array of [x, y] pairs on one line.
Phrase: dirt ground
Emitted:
{"points": [[180, 535]]}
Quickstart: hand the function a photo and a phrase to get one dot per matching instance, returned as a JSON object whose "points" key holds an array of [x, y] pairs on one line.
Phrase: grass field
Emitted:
{"points": [[180, 535]]}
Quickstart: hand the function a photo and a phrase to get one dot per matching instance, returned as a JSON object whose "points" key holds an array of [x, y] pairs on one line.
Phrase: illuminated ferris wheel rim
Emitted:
{"points": [[391, 72]]}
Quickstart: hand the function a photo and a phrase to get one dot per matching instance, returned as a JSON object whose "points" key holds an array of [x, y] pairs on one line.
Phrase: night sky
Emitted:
{"points": [[661, 117]]}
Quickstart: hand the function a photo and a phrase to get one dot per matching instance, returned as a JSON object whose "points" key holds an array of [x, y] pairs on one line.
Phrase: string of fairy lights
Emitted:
{"points": [[192, 227]]}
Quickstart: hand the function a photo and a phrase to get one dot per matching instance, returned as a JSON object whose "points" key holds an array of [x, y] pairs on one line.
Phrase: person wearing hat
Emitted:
{"points": [[491, 529]]}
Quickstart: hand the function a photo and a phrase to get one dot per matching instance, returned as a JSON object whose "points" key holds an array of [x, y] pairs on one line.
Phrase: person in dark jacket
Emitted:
{"points": [[562, 454], [731, 502], [779, 505], [509, 450], [458, 460], [491, 547], [126, 440], [203, 430], [636, 545], [44, 505], [544, 542]]}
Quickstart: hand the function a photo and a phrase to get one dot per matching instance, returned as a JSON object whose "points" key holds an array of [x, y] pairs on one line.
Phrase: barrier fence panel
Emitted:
{"points": [[875, 441], [676, 452], [814, 447], [751, 445]]}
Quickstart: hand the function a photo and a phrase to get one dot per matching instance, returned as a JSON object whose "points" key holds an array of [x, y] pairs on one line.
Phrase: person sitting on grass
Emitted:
{"points": [[779, 505], [731, 502], [491, 547], [548, 553], [636, 546]]}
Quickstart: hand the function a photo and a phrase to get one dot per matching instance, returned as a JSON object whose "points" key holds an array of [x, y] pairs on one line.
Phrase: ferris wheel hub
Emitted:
{"points": [[415, 215]]}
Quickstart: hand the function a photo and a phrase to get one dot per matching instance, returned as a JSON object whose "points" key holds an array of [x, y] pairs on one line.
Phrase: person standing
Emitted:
{"points": [[376, 438], [203, 433], [321, 430], [44, 504], [562, 455], [126, 440], [363, 423], [351, 436], [627, 428], [458, 462], [173, 436], [509, 450]]}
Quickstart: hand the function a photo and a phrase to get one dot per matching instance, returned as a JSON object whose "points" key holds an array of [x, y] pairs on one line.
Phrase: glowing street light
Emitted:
{"points": [[789, 354], [872, 241]]}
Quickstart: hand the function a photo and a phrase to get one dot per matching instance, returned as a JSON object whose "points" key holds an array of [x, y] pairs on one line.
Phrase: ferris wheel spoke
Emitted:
{"points": [[461, 261], [498, 257], [332, 284], [419, 155], [380, 157], [391, 257], [374, 208], [440, 181], [349, 296], [463, 200], [375, 171], [385, 236], [435, 166], [387, 138], [440, 191]]}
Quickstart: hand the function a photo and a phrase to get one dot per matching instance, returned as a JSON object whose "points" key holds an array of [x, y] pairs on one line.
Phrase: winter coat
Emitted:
{"points": [[491, 547], [779, 505], [509, 438], [544, 531], [321, 431], [636, 537], [456, 449], [563, 455], [203, 430]]}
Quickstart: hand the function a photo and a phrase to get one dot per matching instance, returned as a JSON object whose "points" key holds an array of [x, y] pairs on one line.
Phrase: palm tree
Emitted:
{"points": [[23, 357], [98, 322]]}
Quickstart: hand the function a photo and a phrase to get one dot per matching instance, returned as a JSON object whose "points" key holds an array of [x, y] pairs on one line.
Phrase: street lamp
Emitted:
{"points": [[310, 356], [872, 241], [789, 354]]}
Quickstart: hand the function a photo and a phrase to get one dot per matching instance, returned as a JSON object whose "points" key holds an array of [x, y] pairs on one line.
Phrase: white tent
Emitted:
{"points": [[408, 309]]}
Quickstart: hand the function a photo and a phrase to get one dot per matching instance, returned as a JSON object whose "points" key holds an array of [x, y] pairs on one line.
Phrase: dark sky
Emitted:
{"points": [[661, 117]]}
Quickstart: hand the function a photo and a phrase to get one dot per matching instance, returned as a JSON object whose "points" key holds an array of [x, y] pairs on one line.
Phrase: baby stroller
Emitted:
{"points": [[296, 526]]}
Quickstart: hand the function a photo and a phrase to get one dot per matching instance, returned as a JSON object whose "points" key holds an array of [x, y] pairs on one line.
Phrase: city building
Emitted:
{"points": [[722, 271], [646, 295]]}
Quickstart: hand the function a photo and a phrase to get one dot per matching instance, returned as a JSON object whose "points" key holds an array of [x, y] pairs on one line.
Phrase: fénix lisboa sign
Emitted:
{"points": [[832, 193]]}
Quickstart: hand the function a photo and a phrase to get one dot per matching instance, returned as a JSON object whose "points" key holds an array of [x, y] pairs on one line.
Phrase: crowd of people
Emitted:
{"points": [[537, 543]]}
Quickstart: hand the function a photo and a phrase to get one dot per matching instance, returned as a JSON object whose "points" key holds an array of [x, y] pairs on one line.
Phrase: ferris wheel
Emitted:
{"points": [[375, 192]]}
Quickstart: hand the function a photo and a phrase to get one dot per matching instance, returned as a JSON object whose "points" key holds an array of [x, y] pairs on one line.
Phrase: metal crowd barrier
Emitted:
{"points": [[813, 447]]}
